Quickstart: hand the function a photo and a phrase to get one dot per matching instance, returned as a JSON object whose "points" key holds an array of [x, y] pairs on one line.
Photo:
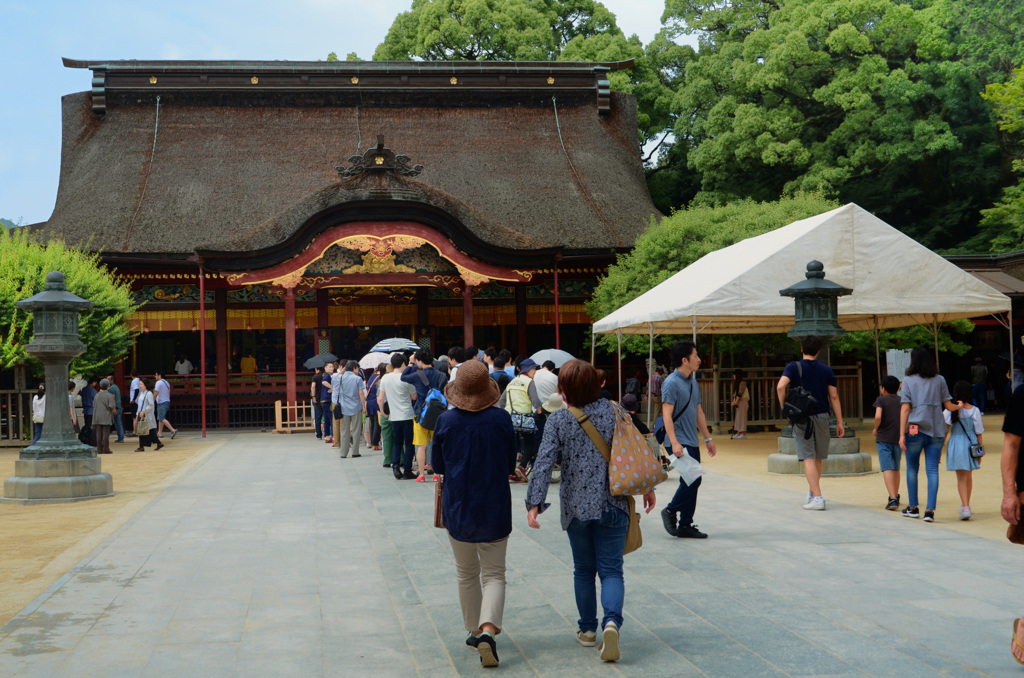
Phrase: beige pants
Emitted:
{"points": [[740, 423], [481, 572]]}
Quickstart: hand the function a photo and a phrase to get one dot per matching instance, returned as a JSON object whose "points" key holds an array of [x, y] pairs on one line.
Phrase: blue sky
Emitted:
{"points": [[37, 34]]}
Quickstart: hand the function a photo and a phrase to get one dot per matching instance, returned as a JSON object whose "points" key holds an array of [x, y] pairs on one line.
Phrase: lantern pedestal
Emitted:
{"points": [[56, 481], [844, 459]]}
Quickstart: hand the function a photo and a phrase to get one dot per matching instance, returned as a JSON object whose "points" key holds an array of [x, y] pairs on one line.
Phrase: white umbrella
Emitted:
{"points": [[371, 360], [555, 355], [395, 344]]}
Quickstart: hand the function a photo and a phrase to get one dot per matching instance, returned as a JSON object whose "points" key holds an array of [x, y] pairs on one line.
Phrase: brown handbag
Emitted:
{"points": [[1015, 533], [438, 515], [634, 538]]}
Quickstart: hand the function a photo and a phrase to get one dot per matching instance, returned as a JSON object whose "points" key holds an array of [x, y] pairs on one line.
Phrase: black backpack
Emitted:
{"points": [[87, 437], [800, 403], [434, 405]]}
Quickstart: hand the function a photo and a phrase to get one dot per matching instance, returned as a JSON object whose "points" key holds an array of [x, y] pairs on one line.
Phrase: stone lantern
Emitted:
{"points": [[817, 313], [57, 468]]}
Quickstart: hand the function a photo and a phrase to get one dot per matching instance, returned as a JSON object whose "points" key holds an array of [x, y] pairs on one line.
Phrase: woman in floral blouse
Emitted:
{"points": [[595, 521]]}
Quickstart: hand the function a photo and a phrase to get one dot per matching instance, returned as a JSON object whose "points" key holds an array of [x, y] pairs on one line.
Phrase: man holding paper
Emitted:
{"points": [[680, 397]]}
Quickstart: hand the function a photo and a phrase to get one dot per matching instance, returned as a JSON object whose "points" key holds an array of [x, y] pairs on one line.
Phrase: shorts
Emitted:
{"points": [[420, 435], [162, 409], [889, 456], [815, 447]]}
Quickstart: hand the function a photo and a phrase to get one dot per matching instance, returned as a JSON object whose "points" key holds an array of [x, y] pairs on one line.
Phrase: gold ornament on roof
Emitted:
{"points": [[374, 264], [152, 80], [454, 80], [551, 80], [378, 160], [254, 80], [355, 80]]}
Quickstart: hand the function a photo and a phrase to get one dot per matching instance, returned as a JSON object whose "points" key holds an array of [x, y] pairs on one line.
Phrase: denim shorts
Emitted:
{"points": [[889, 456], [162, 409]]}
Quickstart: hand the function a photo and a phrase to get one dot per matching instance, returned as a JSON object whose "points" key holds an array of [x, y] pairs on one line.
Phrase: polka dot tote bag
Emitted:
{"points": [[633, 468]]}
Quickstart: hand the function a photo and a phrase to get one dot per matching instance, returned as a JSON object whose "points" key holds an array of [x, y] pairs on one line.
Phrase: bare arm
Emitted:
{"points": [[670, 428], [833, 396], [1008, 466], [878, 421], [904, 417], [781, 389], [702, 426]]}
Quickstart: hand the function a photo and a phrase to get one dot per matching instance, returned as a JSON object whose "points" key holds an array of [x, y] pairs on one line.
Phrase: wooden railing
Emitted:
{"points": [[297, 418], [256, 383], [15, 417]]}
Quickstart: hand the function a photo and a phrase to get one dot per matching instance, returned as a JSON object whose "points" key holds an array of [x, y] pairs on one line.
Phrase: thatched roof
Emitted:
{"points": [[238, 175]]}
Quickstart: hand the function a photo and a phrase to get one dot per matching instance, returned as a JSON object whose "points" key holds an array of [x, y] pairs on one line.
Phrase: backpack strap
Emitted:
{"points": [[592, 432]]}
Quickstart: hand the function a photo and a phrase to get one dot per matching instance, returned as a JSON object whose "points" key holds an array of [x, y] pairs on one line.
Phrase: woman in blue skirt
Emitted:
{"points": [[965, 429]]}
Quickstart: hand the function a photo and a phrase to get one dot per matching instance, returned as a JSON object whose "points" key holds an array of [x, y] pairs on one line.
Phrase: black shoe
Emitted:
{"points": [[669, 519], [894, 503], [472, 641], [174, 434], [387, 465], [409, 475], [488, 650], [397, 471], [356, 454], [911, 512], [690, 532], [929, 516]]}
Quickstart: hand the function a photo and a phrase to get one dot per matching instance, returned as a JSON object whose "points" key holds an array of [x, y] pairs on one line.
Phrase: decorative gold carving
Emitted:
{"points": [[289, 280], [254, 80], [152, 80], [551, 80], [378, 160], [454, 80], [442, 280], [234, 277], [526, 274], [355, 80], [162, 295], [472, 278], [375, 264]]}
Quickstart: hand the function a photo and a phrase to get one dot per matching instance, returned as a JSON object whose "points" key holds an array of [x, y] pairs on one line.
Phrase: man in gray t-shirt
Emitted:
{"points": [[680, 396]]}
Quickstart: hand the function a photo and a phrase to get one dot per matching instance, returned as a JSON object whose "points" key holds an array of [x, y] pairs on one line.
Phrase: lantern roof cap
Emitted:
{"points": [[55, 297], [815, 285]]}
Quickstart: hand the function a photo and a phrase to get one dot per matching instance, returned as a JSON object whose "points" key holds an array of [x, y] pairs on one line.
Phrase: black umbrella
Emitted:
{"points": [[1017, 359], [319, 360]]}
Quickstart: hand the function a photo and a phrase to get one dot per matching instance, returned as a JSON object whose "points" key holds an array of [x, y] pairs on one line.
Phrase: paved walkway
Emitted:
{"points": [[275, 558]]}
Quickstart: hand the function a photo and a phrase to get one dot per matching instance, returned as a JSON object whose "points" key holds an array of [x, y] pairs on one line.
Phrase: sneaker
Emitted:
{"points": [[397, 471], [810, 498], [356, 454], [690, 532], [421, 479], [586, 638], [893, 504], [910, 512], [514, 478], [409, 476], [669, 520], [488, 650], [734, 436], [437, 479], [741, 436], [965, 513], [929, 516], [610, 643], [521, 474], [815, 504], [472, 641]]}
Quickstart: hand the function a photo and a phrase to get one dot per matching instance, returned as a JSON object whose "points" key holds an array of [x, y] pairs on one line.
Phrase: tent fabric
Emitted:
{"points": [[896, 282]]}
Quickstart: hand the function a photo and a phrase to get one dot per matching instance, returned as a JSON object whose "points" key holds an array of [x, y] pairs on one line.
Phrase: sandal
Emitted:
{"points": [[1016, 640]]}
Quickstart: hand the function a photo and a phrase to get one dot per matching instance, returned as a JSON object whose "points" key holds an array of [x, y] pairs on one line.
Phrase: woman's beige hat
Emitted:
{"points": [[473, 390]]}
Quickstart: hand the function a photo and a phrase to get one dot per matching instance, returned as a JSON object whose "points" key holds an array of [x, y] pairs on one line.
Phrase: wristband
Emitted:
{"points": [[708, 440]]}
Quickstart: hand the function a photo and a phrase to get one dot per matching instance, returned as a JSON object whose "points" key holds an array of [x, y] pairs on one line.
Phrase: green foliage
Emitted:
{"points": [[24, 265], [671, 245], [861, 345], [862, 100], [1006, 218]]}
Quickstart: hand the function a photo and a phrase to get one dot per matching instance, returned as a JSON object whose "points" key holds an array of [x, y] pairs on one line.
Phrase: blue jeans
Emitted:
{"points": [[978, 395], [38, 426], [119, 425], [932, 447], [684, 503], [597, 547], [401, 445], [328, 427]]}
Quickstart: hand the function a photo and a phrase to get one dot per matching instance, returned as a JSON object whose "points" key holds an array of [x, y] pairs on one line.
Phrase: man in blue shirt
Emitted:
{"points": [[811, 438], [684, 425], [350, 394], [88, 394], [325, 402], [421, 437]]}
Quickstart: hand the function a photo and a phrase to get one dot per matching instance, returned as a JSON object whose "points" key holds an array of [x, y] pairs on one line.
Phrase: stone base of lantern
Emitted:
{"points": [[56, 481], [844, 459]]}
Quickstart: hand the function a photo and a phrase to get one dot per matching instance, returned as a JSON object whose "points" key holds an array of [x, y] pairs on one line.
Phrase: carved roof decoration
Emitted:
{"points": [[379, 159]]}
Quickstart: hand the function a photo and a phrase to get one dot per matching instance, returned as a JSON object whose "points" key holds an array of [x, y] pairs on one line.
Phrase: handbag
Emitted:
{"points": [[523, 423], [634, 538], [976, 448], [336, 411], [438, 509], [633, 468]]}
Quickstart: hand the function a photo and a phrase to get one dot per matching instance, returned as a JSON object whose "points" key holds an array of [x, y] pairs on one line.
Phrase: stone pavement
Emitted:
{"points": [[275, 558]]}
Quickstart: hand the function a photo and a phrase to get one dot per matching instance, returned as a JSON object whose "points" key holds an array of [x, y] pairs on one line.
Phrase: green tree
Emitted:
{"points": [[672, 244], [24, 265], [1005, 219], [861, 345], [863, 100]]}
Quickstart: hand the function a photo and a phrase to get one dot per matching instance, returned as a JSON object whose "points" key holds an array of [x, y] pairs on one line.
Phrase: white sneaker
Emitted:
{"points": [[586, 638], [815, 504], [610, 645], [810, 498], [965, 513]]}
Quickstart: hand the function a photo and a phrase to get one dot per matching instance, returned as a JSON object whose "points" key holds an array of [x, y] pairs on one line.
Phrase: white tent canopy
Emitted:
{"points": [[896, 282]]}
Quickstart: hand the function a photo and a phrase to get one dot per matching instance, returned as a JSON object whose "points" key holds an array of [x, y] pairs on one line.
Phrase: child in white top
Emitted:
{"points": [[964, 431]]}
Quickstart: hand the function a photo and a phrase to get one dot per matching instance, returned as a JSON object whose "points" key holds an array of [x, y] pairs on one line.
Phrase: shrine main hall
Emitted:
{"points": [[288, 208]]}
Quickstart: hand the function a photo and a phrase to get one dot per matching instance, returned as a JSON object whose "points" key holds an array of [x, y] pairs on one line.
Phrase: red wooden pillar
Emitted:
{"points": [[220, 300], [202, 349], [289, 344], [467, 315], [521, 319]]}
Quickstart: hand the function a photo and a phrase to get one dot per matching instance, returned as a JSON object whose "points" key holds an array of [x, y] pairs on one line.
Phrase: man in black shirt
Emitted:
{"points": [[1013, 482], [314, 396]]}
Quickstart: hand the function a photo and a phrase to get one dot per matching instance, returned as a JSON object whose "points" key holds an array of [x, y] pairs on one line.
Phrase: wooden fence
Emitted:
{"points": [[297, 418]]}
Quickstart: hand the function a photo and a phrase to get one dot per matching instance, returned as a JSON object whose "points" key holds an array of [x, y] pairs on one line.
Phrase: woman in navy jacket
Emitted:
{"points": [[475, 451]]}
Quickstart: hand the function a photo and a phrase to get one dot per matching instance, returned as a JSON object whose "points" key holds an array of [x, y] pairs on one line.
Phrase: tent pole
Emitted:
{"points": [[935, 335], [618, 365], [593, 338], [650, 374], [878, 355]]}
